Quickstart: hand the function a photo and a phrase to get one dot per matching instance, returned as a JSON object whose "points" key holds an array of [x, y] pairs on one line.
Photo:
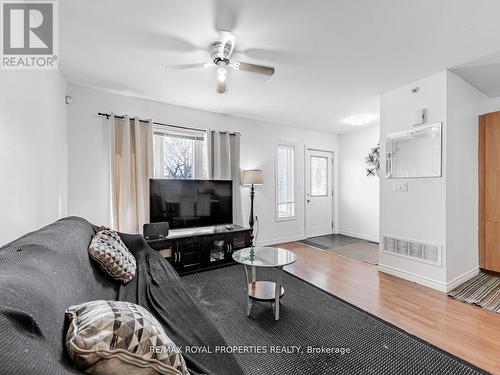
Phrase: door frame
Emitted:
{"points": [[481, 190], [334, 194]]}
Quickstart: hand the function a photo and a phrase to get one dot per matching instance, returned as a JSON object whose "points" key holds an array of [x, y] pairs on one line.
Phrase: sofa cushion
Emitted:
{"points": [[44, 272], [111, 337], [41, 274], [109, 251]]}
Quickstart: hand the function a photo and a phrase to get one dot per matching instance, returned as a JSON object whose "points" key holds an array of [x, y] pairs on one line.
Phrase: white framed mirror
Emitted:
{"points": [[414, 153]]}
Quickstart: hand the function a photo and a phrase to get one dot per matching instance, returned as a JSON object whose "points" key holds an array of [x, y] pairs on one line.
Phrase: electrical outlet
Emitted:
{"points": [[256, 218]]}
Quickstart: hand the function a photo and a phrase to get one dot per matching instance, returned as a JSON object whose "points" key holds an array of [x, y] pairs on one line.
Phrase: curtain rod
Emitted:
{"points": [[107, 115]]}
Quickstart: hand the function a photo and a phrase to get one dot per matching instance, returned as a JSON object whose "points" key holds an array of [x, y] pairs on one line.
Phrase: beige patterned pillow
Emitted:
{"points": [[110, 252], [113, 337]]}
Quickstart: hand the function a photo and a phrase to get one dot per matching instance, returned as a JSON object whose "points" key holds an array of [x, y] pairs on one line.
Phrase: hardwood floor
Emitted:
{"points": [[469, 332]]}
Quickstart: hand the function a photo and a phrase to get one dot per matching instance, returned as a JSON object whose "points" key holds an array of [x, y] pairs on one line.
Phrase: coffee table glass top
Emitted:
{"points": [[264, 256]]}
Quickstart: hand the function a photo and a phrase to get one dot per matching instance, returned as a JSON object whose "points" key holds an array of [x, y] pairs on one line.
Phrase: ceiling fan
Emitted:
{"points": [[220, 57]]}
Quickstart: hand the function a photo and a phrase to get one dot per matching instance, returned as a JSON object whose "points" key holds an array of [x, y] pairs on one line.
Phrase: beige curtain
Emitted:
{"points": [[223, 150], [132, 167]]}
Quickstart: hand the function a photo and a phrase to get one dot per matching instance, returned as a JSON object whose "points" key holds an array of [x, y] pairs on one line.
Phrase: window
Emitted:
{"points": [[285, 181], [319, 176], [179, 153]]}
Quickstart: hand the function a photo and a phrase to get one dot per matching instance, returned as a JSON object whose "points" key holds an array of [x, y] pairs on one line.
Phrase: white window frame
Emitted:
{"points": [[294, 188], [184, 133]]}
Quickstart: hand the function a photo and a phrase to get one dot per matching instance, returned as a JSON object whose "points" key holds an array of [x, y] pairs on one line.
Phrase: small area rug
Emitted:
{"points": [[482, 290], [318, 333], [366, 252], [349, 247]]}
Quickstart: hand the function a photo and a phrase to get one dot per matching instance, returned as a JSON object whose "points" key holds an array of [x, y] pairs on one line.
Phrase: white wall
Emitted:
{"points": [[440, 210], [33, 150], [420, 213], [89, 155], [359, 193], [465, 104]]}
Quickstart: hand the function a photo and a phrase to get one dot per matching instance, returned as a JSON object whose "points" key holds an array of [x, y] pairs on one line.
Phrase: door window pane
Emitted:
{"points": [[319, 176]]}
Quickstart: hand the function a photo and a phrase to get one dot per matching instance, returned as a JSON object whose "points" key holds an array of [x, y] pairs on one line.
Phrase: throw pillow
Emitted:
{"points": [[114, 337], [107, 249]]}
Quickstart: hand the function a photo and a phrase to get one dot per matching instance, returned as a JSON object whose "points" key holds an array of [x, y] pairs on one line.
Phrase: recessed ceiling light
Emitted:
{"points": [[359, 120]]}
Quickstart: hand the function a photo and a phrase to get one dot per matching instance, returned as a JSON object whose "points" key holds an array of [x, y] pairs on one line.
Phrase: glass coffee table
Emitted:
{"points": [[265, 257]]}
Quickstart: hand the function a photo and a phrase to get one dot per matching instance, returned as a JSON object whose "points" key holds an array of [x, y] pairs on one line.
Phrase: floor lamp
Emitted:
{"points": [[251, 178]]}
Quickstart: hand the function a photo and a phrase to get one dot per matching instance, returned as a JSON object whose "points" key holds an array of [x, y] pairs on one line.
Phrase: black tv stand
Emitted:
{"points": [[197, 249]]}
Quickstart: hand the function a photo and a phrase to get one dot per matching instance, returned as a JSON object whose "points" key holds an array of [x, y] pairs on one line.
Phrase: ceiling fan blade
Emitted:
{"points": [[227, 49], [228, 42], [186, 66], [269, 54], [221, 87], [259, 69], [153, 40]]}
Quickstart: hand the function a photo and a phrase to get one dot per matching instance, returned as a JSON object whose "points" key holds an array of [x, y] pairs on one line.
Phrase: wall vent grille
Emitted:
{"points": [[420, 251]]}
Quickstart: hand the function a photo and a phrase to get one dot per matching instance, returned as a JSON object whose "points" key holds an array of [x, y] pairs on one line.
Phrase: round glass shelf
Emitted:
{"points": [[264, 256]]}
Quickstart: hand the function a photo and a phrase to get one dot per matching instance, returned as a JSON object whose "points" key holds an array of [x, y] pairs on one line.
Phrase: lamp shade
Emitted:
{"points": [[252, 177]]}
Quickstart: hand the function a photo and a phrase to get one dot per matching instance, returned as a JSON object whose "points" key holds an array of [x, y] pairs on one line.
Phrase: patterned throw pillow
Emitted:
{"points": [[113, 337], [110, 252]]}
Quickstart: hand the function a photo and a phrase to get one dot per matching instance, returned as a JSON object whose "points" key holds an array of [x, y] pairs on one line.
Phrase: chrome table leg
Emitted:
{"points": [[248, 300], [279, 281]]}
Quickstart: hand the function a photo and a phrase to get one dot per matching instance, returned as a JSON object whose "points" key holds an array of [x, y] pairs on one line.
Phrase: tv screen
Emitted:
{"points": [[191, 203]]}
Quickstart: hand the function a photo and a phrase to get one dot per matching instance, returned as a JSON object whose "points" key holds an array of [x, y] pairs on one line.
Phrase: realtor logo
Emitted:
{"points": [[29, 34]]}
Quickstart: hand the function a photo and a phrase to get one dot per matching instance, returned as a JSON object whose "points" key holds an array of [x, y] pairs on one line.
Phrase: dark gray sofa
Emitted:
{"points": [[44, 272]]}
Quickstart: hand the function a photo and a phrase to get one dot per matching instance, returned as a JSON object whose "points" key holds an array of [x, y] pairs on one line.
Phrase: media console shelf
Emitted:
{"points": [[192, 250]]}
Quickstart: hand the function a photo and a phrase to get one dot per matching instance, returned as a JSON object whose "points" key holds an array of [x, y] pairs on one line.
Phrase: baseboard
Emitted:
{"points": [[359, 235], [466, 276], [276, 241], [425, 281]]}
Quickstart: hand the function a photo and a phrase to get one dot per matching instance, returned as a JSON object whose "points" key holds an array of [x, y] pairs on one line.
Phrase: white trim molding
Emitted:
{"points": [[281, 240], [459, 280], [410, 276], [444, 287], [366, 237]]}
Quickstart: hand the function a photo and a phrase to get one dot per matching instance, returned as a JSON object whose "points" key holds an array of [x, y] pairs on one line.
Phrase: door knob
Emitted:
{"points": [[308, 201]]}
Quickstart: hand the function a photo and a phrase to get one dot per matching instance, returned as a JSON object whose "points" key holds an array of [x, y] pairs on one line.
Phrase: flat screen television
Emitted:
{"points": [[190, 203]]}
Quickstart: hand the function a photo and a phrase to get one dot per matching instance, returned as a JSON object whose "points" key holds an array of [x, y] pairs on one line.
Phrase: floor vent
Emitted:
{"points": [[421, 251]]}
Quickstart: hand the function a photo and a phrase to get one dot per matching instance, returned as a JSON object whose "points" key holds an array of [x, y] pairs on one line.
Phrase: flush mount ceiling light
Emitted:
{"points": [[359, 120]]}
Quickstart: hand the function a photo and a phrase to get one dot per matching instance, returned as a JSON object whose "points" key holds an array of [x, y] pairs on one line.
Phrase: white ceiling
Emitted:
{"points": [[483, 73], [332, 57]]}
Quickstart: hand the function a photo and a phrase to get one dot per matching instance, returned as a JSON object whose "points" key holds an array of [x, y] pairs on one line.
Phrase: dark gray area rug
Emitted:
{"points": [[349, 247], [312, 319]]}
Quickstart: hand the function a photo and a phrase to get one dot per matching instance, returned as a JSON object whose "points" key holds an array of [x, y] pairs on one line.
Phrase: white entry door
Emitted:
{"points": [[319, 193]]}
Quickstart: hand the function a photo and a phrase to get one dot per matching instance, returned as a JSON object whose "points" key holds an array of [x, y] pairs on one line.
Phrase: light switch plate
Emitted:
{"points": [[400, 187]]}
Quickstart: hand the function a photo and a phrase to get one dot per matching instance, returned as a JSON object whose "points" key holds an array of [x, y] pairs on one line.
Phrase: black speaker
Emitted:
{"points": [[155, 230]]}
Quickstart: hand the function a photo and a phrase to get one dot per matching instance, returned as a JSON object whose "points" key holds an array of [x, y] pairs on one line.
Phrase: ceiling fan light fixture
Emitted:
{"points": [[221, 73], [220, 53]]}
